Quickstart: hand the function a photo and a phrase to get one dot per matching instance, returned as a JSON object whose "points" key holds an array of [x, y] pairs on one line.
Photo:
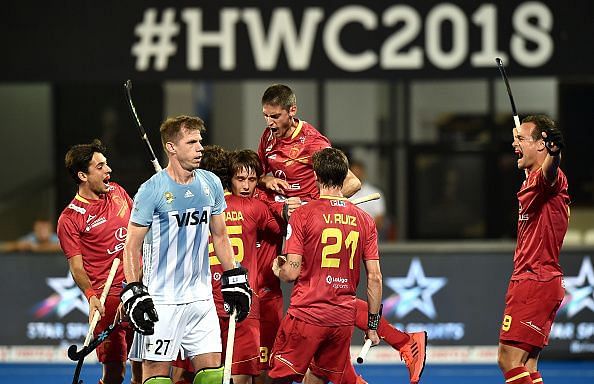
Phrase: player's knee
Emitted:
{"points": [[209, 376], [158, 380]]}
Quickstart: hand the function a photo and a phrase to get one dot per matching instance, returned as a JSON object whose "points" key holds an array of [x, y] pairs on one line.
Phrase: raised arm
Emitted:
{"points": [[351, 185]]}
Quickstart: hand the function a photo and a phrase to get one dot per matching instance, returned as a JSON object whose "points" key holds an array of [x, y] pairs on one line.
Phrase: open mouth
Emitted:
{"points": [[106, 181]]}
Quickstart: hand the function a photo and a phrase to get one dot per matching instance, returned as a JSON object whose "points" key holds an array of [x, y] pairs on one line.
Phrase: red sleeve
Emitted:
{"points": [[261, 154], [266, 220], [320, 142], [294, 242], [69, 237], [544, 186]]}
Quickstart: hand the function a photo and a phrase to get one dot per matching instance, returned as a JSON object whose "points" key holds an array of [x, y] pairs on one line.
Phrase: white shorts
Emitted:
{"points": [[191, 328]]}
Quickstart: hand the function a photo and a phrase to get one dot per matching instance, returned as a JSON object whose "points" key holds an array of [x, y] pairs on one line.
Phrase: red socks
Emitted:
{"points": [[518, 375], [536, 378], [391, 335]]}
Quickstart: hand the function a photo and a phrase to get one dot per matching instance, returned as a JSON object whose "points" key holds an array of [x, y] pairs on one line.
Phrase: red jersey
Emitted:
{"points": [[332, 235], [290, 159], [96, 229], [542, 223], [244, 216], [269, 245]]}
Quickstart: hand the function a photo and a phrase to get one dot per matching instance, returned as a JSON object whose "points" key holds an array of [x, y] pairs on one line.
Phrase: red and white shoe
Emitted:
{"points": [[413, 354]]}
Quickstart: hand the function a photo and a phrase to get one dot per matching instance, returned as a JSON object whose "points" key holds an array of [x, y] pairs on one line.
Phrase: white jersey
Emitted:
{"points": [[175, 256]]}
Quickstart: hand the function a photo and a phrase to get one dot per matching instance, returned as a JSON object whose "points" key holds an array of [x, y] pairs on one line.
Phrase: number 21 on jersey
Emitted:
{"points": [[334, 236]]}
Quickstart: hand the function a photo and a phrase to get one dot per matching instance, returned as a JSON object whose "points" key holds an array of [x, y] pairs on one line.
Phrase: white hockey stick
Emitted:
{"points": [[364, 350], [106, 287], [364, 199], [229, 348]]}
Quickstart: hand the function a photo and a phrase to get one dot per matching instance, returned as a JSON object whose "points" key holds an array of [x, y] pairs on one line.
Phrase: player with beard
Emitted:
{"points": [[536, 289]]}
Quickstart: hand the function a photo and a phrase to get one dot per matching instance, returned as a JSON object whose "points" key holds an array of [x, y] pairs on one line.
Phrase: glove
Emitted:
{"points": [[139, 308], [237, 293], [554, 139]]}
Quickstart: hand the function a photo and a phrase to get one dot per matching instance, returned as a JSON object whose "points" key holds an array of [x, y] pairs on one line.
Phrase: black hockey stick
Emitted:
{"points": [[143, 136], [509, 91], [77, 355]]}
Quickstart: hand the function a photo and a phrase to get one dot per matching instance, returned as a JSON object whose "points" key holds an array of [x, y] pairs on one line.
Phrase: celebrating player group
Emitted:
{"points": [[208, 239]]}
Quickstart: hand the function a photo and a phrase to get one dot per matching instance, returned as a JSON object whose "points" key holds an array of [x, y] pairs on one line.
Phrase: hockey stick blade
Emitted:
{"points": [[75, 355]]}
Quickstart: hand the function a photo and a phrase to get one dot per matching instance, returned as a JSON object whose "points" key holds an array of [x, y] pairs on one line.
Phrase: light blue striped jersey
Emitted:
{"points": [[175, 256]]}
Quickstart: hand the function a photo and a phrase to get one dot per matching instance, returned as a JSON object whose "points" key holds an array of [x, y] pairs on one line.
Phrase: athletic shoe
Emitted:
{"points": [[413, 354]]}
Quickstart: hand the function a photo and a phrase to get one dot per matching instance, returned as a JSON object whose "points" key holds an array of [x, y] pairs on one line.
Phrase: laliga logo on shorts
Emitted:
{"points": [[216, 276], [329, 279], [579, 290]]}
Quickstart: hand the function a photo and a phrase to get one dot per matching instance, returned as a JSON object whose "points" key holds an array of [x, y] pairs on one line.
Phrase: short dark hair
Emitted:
{"points": [[216, 160], [279, 94], [542, 124], [331, 166], [245, 159], [79, 156], [171, 128]]}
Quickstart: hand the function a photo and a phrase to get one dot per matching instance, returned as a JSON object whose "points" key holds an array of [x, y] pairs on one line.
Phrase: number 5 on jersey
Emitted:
{"points": [[236, 244]]}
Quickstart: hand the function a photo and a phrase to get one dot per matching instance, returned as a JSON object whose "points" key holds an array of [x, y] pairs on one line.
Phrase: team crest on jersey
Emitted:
{"points": [[206, 190], [169, 197], [294, 152]]}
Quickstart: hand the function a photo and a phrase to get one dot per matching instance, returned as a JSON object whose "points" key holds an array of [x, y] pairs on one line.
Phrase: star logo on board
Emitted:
{"points": [[579, 290], [412, 292], [66, 298]]}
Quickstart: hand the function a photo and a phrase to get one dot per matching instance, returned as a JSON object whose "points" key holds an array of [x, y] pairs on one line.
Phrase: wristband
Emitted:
{"points": [[373, 320], [90, 292]]}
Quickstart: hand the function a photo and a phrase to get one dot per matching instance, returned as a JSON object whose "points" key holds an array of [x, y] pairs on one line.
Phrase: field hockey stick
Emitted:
{"points": [[229, 348], [72, 349], [363, 352], [143, 136], [364, 199], [509, 91]]}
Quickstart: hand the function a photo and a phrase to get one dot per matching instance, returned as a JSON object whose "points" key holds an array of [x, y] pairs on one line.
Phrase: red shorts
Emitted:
{"points": [[246, 350], [299, 343], [530, 308], [271, 314], [185, 364], [115, 348], [361, 314]]}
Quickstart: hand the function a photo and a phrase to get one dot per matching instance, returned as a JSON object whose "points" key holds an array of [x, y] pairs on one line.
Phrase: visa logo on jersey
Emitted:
{"points": [[191, 218]]}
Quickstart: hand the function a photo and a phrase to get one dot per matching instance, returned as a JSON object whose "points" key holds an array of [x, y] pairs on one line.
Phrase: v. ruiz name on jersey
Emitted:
{"points": [[340, 218]]}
